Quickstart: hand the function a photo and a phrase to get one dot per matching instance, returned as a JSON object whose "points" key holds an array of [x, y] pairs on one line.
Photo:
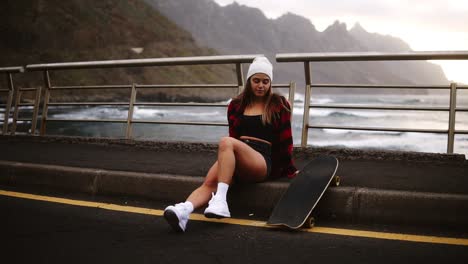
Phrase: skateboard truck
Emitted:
{"points": [[310, 221]]}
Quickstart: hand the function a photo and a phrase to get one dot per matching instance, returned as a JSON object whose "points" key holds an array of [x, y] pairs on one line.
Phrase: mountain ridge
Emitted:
{"points": [[237, 29]]}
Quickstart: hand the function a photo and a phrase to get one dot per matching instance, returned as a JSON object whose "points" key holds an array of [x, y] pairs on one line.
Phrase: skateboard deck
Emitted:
{"points": [[294, 208]]}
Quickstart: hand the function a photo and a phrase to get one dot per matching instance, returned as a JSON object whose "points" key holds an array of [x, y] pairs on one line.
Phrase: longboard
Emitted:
{"points": [[295, 207]]}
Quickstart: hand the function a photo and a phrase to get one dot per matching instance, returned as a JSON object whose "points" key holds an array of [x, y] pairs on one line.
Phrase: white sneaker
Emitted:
{"points": [[177, 216], [217, 208]]}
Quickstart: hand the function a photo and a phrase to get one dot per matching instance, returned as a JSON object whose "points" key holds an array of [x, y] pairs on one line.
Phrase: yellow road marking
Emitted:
{"points": [[244, 222]]}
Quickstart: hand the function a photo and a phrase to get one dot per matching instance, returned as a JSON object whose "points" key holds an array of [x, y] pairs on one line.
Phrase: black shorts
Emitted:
{"points": [[262, 148]]}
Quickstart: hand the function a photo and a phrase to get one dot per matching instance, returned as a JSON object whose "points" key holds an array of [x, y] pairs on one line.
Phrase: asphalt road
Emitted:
{"points": [[35, 231]]}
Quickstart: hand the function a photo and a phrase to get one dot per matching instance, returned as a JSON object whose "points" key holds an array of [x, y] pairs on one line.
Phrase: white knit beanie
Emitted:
{"points": [[261, 65]]}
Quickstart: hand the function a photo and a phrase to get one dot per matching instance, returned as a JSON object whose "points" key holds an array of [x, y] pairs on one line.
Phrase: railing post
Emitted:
{"points": [[130, 112], [452, 113], [240, 77], [305, 120], [292, 92], [37, 102], [19, 93], [45, 108], [8, 103]]}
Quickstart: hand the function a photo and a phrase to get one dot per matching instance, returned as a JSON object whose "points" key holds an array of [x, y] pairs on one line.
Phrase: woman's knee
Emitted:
{"points": [[226, 143]]}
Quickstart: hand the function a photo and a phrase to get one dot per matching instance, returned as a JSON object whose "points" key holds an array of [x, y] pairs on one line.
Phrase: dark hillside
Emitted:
{"points": [[39, 31]]}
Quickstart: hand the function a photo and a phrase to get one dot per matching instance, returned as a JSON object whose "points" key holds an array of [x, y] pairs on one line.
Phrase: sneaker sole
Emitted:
{"points": [[173, 220], [213, 215]]}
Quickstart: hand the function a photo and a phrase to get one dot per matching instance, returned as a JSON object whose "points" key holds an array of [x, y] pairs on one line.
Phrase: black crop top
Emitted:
{"points": [[252, 126]]}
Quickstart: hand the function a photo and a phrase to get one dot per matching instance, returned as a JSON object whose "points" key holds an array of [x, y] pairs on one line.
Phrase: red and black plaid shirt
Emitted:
{"points": [[282, 145]]}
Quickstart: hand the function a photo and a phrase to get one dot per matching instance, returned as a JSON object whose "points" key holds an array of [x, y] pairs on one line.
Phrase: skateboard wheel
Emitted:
{"points": [[309, 223], [336, 181]]}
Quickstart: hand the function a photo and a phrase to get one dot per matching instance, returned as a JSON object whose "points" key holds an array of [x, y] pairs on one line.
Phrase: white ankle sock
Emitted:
{"points": [[222, 190], [189, 206]]}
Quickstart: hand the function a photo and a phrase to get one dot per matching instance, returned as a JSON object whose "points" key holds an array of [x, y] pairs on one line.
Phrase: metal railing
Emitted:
{"points": [[307, 58], [9, 71], [237, 61], [35, 105]]}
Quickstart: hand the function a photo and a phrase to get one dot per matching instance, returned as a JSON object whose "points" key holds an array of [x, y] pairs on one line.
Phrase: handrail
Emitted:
{"points": [[174, 61], [370, 86], [307, 58], [130, 120], [237, 60], [372, 56], [17, 69]]}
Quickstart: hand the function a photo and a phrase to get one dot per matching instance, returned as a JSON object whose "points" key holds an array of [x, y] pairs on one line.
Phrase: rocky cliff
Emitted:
{"points": [[238, 29]]}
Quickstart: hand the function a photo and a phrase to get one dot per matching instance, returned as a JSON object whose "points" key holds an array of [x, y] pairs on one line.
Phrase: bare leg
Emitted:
{"points": [[234, 157], [202, 194]]}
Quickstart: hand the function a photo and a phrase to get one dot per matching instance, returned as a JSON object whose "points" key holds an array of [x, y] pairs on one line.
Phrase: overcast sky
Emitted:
{"points": [[426, 25]]}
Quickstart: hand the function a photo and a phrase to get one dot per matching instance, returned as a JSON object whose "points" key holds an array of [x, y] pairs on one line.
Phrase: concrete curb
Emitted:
{"points": [[343, 204]]}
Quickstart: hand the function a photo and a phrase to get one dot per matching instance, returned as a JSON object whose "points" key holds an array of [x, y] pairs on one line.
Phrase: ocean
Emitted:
{"points": [[420, 142]]}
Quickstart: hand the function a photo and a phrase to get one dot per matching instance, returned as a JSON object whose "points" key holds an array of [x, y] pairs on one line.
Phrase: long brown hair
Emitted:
{"points": [[273, 103]]}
